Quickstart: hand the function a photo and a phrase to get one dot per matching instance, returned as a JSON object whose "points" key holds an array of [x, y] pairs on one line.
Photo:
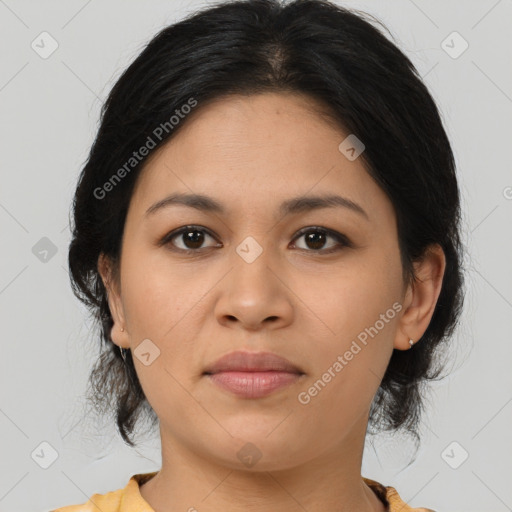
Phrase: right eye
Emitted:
{"points": [[191, 237]]}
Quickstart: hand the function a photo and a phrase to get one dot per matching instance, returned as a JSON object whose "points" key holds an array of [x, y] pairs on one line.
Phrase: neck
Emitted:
{"points": [[192, 481]]}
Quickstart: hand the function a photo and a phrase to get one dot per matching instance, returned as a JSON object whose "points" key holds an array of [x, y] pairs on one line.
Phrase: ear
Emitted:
{"points": [[113, 288], [421, 297]]}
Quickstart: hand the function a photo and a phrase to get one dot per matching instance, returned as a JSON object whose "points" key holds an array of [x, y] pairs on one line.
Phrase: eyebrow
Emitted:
{"points": [[295, 205]]}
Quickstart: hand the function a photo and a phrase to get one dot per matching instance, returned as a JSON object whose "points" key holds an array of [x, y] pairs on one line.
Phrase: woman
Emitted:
{"points": [[267, 227]]}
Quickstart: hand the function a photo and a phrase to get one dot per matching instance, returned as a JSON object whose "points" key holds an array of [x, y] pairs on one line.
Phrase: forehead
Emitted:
{"points": [[253, 151]]}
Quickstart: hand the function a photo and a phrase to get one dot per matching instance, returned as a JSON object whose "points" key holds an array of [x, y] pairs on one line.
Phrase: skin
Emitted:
{"points": [[251, 153]]}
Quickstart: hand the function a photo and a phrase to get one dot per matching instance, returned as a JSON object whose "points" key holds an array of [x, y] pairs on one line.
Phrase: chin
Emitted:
{"points": [[257, 450]]}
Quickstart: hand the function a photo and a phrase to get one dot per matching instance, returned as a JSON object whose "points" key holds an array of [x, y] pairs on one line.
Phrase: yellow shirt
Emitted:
{"points": [[129, 499]]}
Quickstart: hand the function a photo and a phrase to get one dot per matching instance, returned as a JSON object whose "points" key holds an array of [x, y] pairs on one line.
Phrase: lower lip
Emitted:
{"points": [[253, 384]]}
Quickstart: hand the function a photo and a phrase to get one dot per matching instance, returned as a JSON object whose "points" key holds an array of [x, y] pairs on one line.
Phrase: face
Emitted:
{"points": [[319, 285]]}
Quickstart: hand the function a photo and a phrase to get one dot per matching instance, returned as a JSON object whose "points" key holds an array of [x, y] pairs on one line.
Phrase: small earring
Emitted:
{"points": [[411, 343], [122, 329]]}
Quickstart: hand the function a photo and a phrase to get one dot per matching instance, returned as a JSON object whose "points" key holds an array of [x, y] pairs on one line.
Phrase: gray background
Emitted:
{"points": [[49, 112]]}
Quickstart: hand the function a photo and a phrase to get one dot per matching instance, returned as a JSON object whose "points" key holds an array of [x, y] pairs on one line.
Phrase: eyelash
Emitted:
{"points": [[342, 240]]}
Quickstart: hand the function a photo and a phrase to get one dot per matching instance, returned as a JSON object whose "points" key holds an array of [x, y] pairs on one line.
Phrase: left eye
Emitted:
{"points": [[316, 237], [193, 237]]}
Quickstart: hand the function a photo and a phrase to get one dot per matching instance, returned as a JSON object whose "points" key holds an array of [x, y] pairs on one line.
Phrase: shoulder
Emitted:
{"points": [[396, 503], [389, 495], [127, 499], [105, 502]]}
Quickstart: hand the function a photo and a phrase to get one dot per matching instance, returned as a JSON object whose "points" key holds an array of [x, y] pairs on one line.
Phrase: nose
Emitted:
{"points": [[255, 295]]}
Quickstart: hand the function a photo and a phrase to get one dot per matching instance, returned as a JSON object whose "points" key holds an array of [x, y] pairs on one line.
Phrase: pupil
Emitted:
{"points": [[195, 237], [317, 239]]}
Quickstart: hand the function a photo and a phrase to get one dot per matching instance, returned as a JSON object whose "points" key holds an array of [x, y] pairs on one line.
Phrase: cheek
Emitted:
{"points": [[359, 308], [156, 294], [163, 303], [353, 297], [159, 306], [349, 365]]}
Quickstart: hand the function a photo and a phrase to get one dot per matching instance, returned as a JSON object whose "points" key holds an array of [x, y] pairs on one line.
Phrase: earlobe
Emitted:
{"points": [[421, 297], [118, 334]]}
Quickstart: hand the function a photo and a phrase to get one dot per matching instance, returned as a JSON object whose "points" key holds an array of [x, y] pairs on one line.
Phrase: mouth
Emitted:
{"points": [[253, 384], [243, 361], [253, 375]]}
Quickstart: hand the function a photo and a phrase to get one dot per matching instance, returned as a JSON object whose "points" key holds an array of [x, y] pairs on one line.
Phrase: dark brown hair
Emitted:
{"points": [[315, 48]]}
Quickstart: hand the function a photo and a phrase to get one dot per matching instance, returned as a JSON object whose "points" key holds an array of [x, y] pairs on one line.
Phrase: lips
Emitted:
{"points": [[243, 361]]}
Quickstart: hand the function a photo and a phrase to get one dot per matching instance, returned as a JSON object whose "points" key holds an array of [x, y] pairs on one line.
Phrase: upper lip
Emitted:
{"points": [[252, 362]]}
